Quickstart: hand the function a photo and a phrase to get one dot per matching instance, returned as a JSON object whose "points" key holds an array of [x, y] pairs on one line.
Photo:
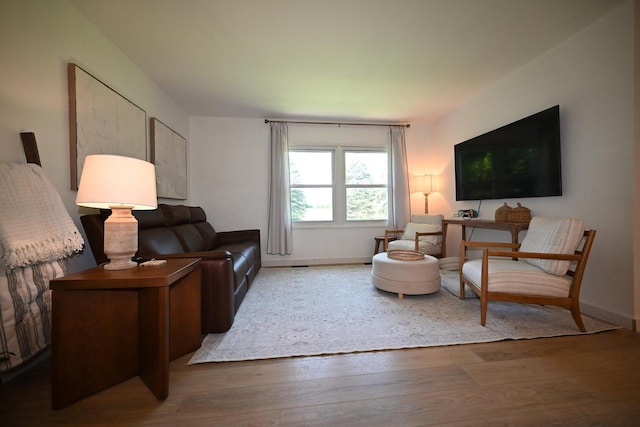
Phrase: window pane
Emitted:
{"points": [[311, 168], [311, 204], [363, 168], [366, 204]]}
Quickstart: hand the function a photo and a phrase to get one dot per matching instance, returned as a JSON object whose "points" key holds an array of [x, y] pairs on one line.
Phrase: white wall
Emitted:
{"points": [[591, 77], [230, 163], [37, 40]]}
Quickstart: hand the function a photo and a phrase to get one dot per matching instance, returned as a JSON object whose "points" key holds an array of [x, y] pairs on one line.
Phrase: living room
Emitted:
{"points": [[591, 74]]}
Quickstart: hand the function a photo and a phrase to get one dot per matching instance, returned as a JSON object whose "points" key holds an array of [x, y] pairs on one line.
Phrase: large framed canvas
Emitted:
{"points": [[169, 154], [101, 121]]}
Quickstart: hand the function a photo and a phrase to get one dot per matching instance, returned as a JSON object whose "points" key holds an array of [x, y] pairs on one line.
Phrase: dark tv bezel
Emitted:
{"points": [[501, 139]]}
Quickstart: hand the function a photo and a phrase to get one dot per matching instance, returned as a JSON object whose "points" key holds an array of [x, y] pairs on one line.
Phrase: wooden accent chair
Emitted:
{"points": [[546, 268], [422, 234]]}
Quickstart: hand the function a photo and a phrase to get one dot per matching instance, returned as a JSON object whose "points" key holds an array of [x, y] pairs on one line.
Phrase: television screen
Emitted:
{"points": [[521, 159]]}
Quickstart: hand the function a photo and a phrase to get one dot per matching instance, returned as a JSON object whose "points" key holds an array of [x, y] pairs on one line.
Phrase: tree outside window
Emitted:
{"points": [[353, 181]]}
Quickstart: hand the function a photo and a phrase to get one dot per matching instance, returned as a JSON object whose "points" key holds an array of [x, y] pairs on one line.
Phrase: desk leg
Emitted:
{"points": [[153, 343]]}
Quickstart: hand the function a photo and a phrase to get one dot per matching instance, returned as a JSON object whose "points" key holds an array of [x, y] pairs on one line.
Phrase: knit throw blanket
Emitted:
{"points": [[35, 227]]}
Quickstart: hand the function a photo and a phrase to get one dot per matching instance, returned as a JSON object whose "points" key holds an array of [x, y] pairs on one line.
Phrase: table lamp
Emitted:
{"points": [[121, 184]]}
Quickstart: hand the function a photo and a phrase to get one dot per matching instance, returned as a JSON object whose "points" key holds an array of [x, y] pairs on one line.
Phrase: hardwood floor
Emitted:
{"points": [[582, 380]]}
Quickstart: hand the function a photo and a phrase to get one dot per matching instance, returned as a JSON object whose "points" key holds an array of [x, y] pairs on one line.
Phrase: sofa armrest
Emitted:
{"points": [[228, 237], [218, 309]]}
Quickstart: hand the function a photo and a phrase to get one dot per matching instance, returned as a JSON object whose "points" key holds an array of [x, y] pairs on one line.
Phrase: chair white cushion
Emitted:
{"points": [[517, 277], [412, 228], [435, 219], [552, 235], [410, 245]]}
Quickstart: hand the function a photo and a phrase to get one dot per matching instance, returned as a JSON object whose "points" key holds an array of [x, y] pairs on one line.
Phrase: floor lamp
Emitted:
{"points": [[425, 186]]}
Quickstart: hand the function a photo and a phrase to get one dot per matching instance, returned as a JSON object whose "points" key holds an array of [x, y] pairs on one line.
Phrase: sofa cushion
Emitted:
{"points": [[149, 219], [176, 214], [197, 214], [157, 241], [517, 277], [209, 235], [552, 236], [189, 237]]}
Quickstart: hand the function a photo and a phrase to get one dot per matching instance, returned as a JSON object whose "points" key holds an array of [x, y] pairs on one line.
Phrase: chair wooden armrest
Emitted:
{"points": [[390, 234], [393, 232], [430, 233], [426, 233], [483, 245], [517, 254], [467, 243]]}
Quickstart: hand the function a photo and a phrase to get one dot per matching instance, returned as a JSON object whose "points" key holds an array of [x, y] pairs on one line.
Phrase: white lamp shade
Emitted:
{"points": [[423, 184], [109, 180]]}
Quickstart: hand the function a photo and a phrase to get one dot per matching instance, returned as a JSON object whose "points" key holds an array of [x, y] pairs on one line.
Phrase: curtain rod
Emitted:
{"points": [[336, 123]]}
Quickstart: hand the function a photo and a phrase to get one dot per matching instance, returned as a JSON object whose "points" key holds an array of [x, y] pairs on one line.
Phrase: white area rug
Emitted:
{"points": [[329, 310]]}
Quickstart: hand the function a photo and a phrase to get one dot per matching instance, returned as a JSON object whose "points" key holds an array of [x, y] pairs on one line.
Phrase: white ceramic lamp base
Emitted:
{"points": [[120, 238]]}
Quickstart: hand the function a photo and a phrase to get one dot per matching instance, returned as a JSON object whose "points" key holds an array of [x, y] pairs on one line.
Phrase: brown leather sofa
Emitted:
{"points": [[230, 260]]}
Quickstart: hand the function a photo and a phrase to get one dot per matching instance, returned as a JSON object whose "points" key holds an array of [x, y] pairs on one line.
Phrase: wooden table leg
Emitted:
{"points": [[153, 342], [86, 356], [376, 247]]}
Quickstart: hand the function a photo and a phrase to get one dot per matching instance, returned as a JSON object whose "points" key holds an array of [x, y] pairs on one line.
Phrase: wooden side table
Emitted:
{"points": [[111, 325]]}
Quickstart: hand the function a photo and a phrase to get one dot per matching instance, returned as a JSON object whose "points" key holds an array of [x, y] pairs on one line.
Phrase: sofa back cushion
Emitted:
{"points": [[158, 241], [189, 237], [149, 219], [175, 214], [552, 236], [206, 230], [189, 224]]}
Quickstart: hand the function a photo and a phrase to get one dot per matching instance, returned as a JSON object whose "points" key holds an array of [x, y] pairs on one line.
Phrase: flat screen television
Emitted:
{"points": [[519, 160]]}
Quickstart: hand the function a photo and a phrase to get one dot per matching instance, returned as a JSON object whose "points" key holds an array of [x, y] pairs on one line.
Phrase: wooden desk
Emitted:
{"points": [[514, 227], [111, 325]]}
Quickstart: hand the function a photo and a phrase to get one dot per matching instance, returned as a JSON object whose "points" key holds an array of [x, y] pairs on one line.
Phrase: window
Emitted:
{"points": [[311, 175], [366, 180], [339, 185]]}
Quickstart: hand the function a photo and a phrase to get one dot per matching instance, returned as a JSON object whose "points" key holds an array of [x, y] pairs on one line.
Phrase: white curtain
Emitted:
{"points": [[279, 232], [400, 208]]}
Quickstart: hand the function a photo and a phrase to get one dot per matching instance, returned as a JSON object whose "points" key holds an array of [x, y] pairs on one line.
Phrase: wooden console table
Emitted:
{"points": [[514, 227], [111, 325]]}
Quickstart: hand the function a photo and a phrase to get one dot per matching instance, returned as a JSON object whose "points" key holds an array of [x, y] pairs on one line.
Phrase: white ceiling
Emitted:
{"points": [[374, 60]]}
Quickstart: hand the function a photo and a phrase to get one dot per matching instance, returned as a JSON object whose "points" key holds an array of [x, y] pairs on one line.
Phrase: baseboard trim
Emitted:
{"points": [[608, 316], [308, 262]]}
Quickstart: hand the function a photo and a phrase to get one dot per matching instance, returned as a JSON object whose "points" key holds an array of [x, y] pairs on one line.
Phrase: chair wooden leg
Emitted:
{"points": [[483, 311], [577, 317], [461, 295]]}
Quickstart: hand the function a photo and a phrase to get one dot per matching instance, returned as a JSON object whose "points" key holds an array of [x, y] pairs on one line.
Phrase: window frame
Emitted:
{"points": [[339, 186]]}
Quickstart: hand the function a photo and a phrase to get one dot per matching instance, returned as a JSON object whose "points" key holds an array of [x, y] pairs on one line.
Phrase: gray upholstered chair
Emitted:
{"points": [[546, 268]]}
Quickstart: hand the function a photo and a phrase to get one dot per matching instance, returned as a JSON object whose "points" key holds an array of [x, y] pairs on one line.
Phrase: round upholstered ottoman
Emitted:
{"points": [[411, 277]]}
